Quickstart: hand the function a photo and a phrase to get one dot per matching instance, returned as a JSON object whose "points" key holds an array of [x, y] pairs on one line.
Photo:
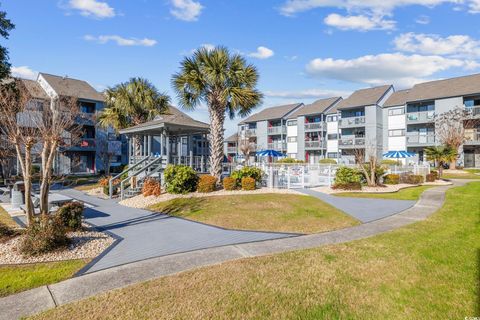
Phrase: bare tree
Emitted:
{"points": [[105, 154], [368, 168], [7, 157], [245, 146], [450, 129], [17, 118], [60, 124]]}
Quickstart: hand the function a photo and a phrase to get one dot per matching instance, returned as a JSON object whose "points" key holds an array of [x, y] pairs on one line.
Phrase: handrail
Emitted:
{"points": [[110, 182], [136, 173]]}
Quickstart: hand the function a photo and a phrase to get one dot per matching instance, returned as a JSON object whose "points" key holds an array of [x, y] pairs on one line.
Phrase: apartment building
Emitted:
{"points": [[231, 147], [267, 129], [307, 131], [361, 123], [83, 156]]}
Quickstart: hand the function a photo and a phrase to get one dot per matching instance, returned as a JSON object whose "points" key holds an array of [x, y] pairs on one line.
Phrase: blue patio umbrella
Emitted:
{"points": [[398, 154], [270, 153]]}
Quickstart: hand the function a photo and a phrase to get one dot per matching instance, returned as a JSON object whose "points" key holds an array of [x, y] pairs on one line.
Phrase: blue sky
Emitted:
{"points": [[304, 49]]}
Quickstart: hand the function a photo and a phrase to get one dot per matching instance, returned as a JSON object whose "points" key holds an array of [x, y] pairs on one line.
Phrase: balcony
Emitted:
{"points": [[232, 149], [279, 146], [314, 126], [251, 132], [85, 118], [472, 138], [351, 142], [83, 144], [309, 145], [277, 130], [352, 122], [420, 117], [419, 140], [475, 111]]}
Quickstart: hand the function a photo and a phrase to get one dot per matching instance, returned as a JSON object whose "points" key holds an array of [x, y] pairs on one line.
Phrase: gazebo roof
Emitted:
{"points": [[174, 122]]}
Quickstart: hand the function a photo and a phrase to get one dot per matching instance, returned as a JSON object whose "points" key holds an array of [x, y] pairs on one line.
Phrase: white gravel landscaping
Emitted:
{"points": [[143, 202], [381, 189], [85, 245], [97, 192]]}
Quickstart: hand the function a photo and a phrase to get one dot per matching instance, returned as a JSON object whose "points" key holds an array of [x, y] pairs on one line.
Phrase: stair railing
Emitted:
{"points": [[136, 173], [110, 182]]}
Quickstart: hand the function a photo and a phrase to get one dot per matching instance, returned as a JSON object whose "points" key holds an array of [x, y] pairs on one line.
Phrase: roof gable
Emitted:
{"points": [[272, 113], [364, 97], [317, 107], [69, 87]]}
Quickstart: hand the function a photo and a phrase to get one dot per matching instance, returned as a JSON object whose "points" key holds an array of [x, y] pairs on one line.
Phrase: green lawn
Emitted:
{"points": [[267, 212], [412, 193], [470, 175], [428, 270], [18, 278], [87, 187]]}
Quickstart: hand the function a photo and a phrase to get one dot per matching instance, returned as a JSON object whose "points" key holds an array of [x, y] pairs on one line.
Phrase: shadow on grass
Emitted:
{"points": [[182, 206]]}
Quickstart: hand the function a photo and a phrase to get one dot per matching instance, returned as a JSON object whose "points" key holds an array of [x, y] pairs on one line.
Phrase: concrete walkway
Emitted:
{"points": [[142, 234], [365, 210], [43, 298]]}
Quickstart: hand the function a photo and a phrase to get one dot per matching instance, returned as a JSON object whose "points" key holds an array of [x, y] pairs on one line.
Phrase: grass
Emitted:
{"points": [[87, 187], [470, 175], [6, 219], [18, 278], [428, 270], [412, 193], [267, 212]]}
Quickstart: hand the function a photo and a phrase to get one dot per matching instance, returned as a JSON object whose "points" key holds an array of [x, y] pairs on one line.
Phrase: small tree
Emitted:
{"points": [[369, 169], [440, 155], [105, 154], [450, 129], [17, 123], [245, 146]]}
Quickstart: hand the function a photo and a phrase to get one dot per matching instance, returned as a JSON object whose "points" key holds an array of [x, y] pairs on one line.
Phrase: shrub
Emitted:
{"points": [[327, 161], [247, 172], [71, 214], [44, 236], [430, 177], [435, 174], [180, 179], [104, 182], [229, 183], [348, 186], [411, 179], [6, 232], [151, 187], [289, 160], [206, 183], [248, 183], [391, 162], [346, 175], [391, 179]]}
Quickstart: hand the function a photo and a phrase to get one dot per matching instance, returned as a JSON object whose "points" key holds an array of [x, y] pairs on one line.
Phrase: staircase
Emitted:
{"points": [[150, 167]]}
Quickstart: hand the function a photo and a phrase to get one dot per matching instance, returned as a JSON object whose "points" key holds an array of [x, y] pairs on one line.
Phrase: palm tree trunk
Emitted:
{"points": [[217, 119]]}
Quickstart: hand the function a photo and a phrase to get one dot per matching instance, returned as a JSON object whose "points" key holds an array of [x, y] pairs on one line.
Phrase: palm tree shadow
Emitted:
{"points": [[181, 206]]}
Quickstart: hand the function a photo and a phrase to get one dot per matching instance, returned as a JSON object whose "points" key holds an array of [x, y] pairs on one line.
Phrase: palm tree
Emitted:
{"points": [[226, 83], [441, 155], [131, 103]]}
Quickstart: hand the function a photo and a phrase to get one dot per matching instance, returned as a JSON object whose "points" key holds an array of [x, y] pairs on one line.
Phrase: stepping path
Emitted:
{"points": [[40, 299], [363, 209]]}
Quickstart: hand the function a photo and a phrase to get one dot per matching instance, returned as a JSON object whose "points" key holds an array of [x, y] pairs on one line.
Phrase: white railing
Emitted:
{"points": [[277, 130], [351, 121], [277, 146], [232, 149], [351, 142], [315, 144], [314, 126], [424, 116], [420, 139]]}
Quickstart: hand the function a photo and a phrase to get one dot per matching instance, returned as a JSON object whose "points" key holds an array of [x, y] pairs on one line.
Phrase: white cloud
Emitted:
{"points": [[121, 41], [474, 6], [454, 45], [262, 53], [397, 68], [359, 22], [423, 19], [24, 72], [306, 94], [93, 8], [291, 7], [186, 10]]}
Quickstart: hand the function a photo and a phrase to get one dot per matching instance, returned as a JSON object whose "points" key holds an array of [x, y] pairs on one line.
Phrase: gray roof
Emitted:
{"points": [[272, 113], [364, 97], [232, 138], [317, 107], [398, 98], [69, 87], [174, 117], [35, 90], [453, 87]]}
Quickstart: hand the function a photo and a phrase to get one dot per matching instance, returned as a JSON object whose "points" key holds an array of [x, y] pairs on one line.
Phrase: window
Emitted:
{"points": [[292, 139], [291, 123], [396, 111], [332, 136], [332, 118], [421, 106], [396, 133], [332, 155]]}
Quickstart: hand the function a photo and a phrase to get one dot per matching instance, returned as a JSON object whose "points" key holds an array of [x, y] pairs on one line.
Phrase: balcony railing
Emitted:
{"points": [[352, 122], [351, 142], [315, 144], [420, 139], [277, 146], [419, 117], [314, 126], [475, 110], [472, 137], [251, 132], [277, 130], [232, 149]]}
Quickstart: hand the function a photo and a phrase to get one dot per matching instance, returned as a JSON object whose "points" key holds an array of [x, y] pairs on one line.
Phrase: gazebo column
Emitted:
{"points": [[129, 160], [149, 145], [167, 145], [144, 145]]}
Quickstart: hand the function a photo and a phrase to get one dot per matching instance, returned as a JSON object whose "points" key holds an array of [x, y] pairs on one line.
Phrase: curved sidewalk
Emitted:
{"points": [[46, 297]]}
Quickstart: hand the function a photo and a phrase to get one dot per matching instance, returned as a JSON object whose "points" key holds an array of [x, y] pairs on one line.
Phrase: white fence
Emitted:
{"points": [[296, 176]]}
